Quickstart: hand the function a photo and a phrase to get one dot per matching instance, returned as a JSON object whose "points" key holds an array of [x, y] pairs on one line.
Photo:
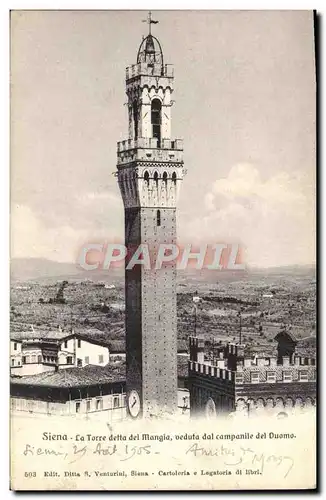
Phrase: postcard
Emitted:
{"points": [[163, 239]]}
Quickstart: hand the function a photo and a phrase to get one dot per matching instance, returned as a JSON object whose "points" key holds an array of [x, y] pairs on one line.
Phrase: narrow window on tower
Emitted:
{"points": [[135, 117], [122, 186], [174, 178], [156, 178], [158, 218], [156, 108], [146, 177], [165, 178]]}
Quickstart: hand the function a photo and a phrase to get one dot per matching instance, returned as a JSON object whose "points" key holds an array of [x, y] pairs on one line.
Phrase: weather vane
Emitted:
{"points": [[149, 21]]}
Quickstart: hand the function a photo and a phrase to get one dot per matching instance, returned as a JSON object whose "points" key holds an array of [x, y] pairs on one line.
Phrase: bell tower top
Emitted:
{"points": [[150, 153], [150, 50], [150, 143]]}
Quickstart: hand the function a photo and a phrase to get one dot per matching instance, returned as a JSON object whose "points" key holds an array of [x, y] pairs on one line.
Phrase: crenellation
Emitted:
{"points": [[149, 143], [141, 69], [254, 382]]}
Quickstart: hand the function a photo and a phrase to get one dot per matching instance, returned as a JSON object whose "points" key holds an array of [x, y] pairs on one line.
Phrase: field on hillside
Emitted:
{"points": [[266, 302]]}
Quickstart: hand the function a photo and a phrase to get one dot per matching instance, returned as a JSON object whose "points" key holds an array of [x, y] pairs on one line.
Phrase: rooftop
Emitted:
{"points": [[75, 377], [93, 336], [87, 376]]}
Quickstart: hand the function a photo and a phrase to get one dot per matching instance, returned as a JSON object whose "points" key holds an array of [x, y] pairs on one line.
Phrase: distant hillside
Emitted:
{"points": [[26, 269], [43, 269], [286, 270]]}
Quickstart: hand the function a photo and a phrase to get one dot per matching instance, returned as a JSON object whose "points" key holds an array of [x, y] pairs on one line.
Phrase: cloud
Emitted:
{"points": [[30, 237], [273, 218], [102, 196]]}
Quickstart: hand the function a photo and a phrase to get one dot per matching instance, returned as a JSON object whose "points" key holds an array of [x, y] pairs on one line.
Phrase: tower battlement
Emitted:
{"points": [[228, 379], [148, 75], [149, 143], [145, 149], [303, 370]]}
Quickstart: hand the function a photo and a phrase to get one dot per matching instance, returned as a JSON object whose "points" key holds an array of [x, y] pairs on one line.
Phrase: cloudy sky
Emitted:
{"points": [[245, 107]]}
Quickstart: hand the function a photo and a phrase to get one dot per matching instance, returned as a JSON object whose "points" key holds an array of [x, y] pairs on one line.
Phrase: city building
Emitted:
{"points": [[81, 350], [150, 169], [231, 381], [93, 391], [33, 353], [35, 356], [15, 354]]}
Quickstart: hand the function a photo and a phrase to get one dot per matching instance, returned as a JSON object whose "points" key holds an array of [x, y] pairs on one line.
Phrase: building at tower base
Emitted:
{"points": [[231, 381]]}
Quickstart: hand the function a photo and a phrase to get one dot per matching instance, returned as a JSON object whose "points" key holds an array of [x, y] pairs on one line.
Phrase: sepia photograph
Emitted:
{"points": [[163, 249]]}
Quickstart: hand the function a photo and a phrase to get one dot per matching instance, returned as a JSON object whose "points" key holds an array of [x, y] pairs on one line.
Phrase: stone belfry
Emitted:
{"points": [[150, 171]]}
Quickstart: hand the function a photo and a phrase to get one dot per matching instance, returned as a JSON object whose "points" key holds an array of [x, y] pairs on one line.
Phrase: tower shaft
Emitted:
{"points": [[150, 170]]}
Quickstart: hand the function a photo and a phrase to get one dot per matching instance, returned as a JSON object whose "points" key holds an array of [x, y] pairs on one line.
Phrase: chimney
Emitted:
{"points": [[196, 349], [297, 360], [272, 361], [221, 363], [200, 357]]}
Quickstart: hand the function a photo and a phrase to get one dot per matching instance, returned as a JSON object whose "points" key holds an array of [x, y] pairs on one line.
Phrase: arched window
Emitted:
{"points": [[156, 178], [135, 117], [165, 178], [146, 177], [158, 218], [156, 108], [174, 178]]}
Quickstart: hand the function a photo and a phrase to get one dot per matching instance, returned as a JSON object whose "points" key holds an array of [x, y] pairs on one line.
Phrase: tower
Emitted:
{"points": [[150, 171]]}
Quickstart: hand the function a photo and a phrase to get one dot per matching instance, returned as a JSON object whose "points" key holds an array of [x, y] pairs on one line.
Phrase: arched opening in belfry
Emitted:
{"points": [[174, 178], [158, 217], [135, 118], [146, 177], [156, 110], [156, 178], [165, 178]]}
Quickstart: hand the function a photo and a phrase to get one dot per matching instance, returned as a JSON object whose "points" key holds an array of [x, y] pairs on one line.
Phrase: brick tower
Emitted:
{"points": [[150, 170]]}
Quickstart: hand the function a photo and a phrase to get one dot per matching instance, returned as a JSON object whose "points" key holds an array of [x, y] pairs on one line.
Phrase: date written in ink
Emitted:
{"points": [[76, 452]]}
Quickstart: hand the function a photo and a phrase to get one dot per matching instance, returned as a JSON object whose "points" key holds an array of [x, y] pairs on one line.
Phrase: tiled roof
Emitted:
{"points": [[86, 376], [94, 336], [36, 334], [76, 377]]}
